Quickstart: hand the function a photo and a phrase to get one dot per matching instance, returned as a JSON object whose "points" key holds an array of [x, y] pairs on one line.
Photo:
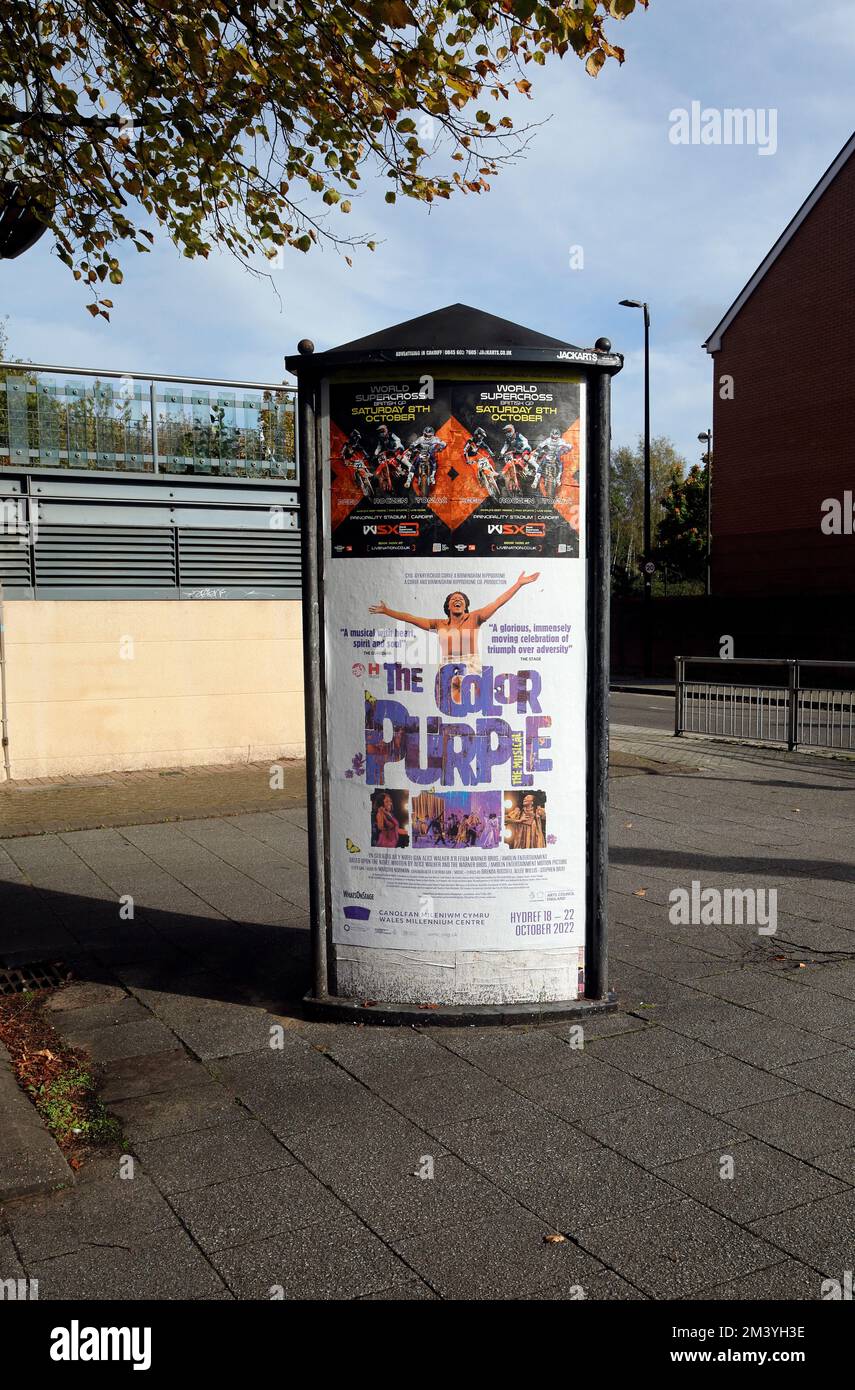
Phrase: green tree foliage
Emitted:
{"points": [[681, 539], [627, 504], [247, 124]]}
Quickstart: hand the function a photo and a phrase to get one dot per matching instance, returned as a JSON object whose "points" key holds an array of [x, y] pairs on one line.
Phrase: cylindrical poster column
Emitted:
{"points": [[455, 572]]}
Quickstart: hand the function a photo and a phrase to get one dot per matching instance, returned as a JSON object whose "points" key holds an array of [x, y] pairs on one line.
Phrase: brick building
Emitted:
{"points": [[785, 443]]}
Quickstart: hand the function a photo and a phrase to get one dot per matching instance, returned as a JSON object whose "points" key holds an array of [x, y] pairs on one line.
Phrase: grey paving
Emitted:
{"points": [[280, 1158], [780, 1283], [677, 1256], [819, 1233], [506, 1259], [244, 1210], [30, 1160], [185, 1162], [176, 1111], [160, 1265], [655, 1134], [343, 1261], [723, 1083], [802, 1123], [10, 1265], [116, 1211], [758, 1181]]}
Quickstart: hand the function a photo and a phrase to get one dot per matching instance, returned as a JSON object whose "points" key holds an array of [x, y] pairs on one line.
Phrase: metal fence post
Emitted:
{"points": [[152, 395], [678, 696], [793, 705]]}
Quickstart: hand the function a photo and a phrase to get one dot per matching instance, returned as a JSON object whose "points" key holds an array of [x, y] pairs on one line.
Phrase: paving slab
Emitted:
{"points": [[598, 1026], [398, 1180], [675, 1251], [780, 1283], [589, 1187], [114, 1212], [372, 1053], [645, 1055], [158, 1265], [226, 1152], [512, 1052], [209, 1026], [802, 1124], [128, 1077], [832, 1076], [723, 1083], [30, 1159], [584, 1092], [841, 1163], [342, 1261], [255, 1208], [836, 979], [818, 1233], [404, 1293], [10, 1265], [764, 1181], [505, 1258], [83, 995], [511, 1146], [176, 1111], [769, 1044], [652, 1135], [294, 1094], [443, 1099]]}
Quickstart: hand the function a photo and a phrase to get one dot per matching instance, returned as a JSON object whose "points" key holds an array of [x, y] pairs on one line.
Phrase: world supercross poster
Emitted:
{"points": [[456, 667], [430, 466]]}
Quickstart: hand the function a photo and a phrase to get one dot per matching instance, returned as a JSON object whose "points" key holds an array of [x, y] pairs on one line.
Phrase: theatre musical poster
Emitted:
{"points": [[454, 611]]}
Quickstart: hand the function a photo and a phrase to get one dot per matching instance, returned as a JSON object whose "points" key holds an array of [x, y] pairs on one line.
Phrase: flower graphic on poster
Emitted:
{"points": [[357, 766]]}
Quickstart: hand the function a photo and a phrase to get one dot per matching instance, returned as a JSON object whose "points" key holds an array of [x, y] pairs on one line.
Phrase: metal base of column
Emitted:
{"points": [[335, 1010]]}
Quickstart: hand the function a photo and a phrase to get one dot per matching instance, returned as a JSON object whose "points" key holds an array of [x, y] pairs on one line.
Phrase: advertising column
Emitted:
{"points": [[455, 607]]}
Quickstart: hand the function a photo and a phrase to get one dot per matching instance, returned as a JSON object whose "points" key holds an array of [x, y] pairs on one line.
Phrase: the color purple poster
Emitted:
{"points": [[456, 707]]}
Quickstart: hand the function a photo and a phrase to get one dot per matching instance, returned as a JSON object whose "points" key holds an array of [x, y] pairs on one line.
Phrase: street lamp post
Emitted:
{"points": [[705, 437], [648, 564]]}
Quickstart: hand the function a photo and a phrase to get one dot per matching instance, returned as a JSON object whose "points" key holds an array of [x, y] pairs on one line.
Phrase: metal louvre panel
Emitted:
{"points": [[268, 557], [14, 562], [147, 539], [126, 557]]}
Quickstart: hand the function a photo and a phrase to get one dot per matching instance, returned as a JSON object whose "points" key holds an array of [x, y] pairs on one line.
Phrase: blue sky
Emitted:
{"points": [[681, 226]]}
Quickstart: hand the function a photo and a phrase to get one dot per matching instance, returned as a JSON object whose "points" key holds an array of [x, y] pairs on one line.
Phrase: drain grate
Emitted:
{"points": [[36, 974]]}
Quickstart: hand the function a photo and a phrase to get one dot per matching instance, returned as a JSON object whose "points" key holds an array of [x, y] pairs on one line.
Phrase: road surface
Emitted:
{"points": [[642, 711]]}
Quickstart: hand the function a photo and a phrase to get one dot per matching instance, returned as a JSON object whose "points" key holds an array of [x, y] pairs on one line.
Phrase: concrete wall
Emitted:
{"points": [[113, 686]]}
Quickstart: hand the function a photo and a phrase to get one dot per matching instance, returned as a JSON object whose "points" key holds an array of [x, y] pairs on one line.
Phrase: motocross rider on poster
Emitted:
{"points": [[424, 449], [388, 453], [516, 455], [355, 455], [478, 453], [549, 457]]}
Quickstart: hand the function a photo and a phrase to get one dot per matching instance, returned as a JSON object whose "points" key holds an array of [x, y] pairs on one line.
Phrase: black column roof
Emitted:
{"points": [[456, 333]]}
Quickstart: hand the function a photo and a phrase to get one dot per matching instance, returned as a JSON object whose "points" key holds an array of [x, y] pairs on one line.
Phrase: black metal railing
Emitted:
{"points": [[782, 709]]}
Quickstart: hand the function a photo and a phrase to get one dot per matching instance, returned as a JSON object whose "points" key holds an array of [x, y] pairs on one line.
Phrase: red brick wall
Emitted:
{"points": [[787, 440]]}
